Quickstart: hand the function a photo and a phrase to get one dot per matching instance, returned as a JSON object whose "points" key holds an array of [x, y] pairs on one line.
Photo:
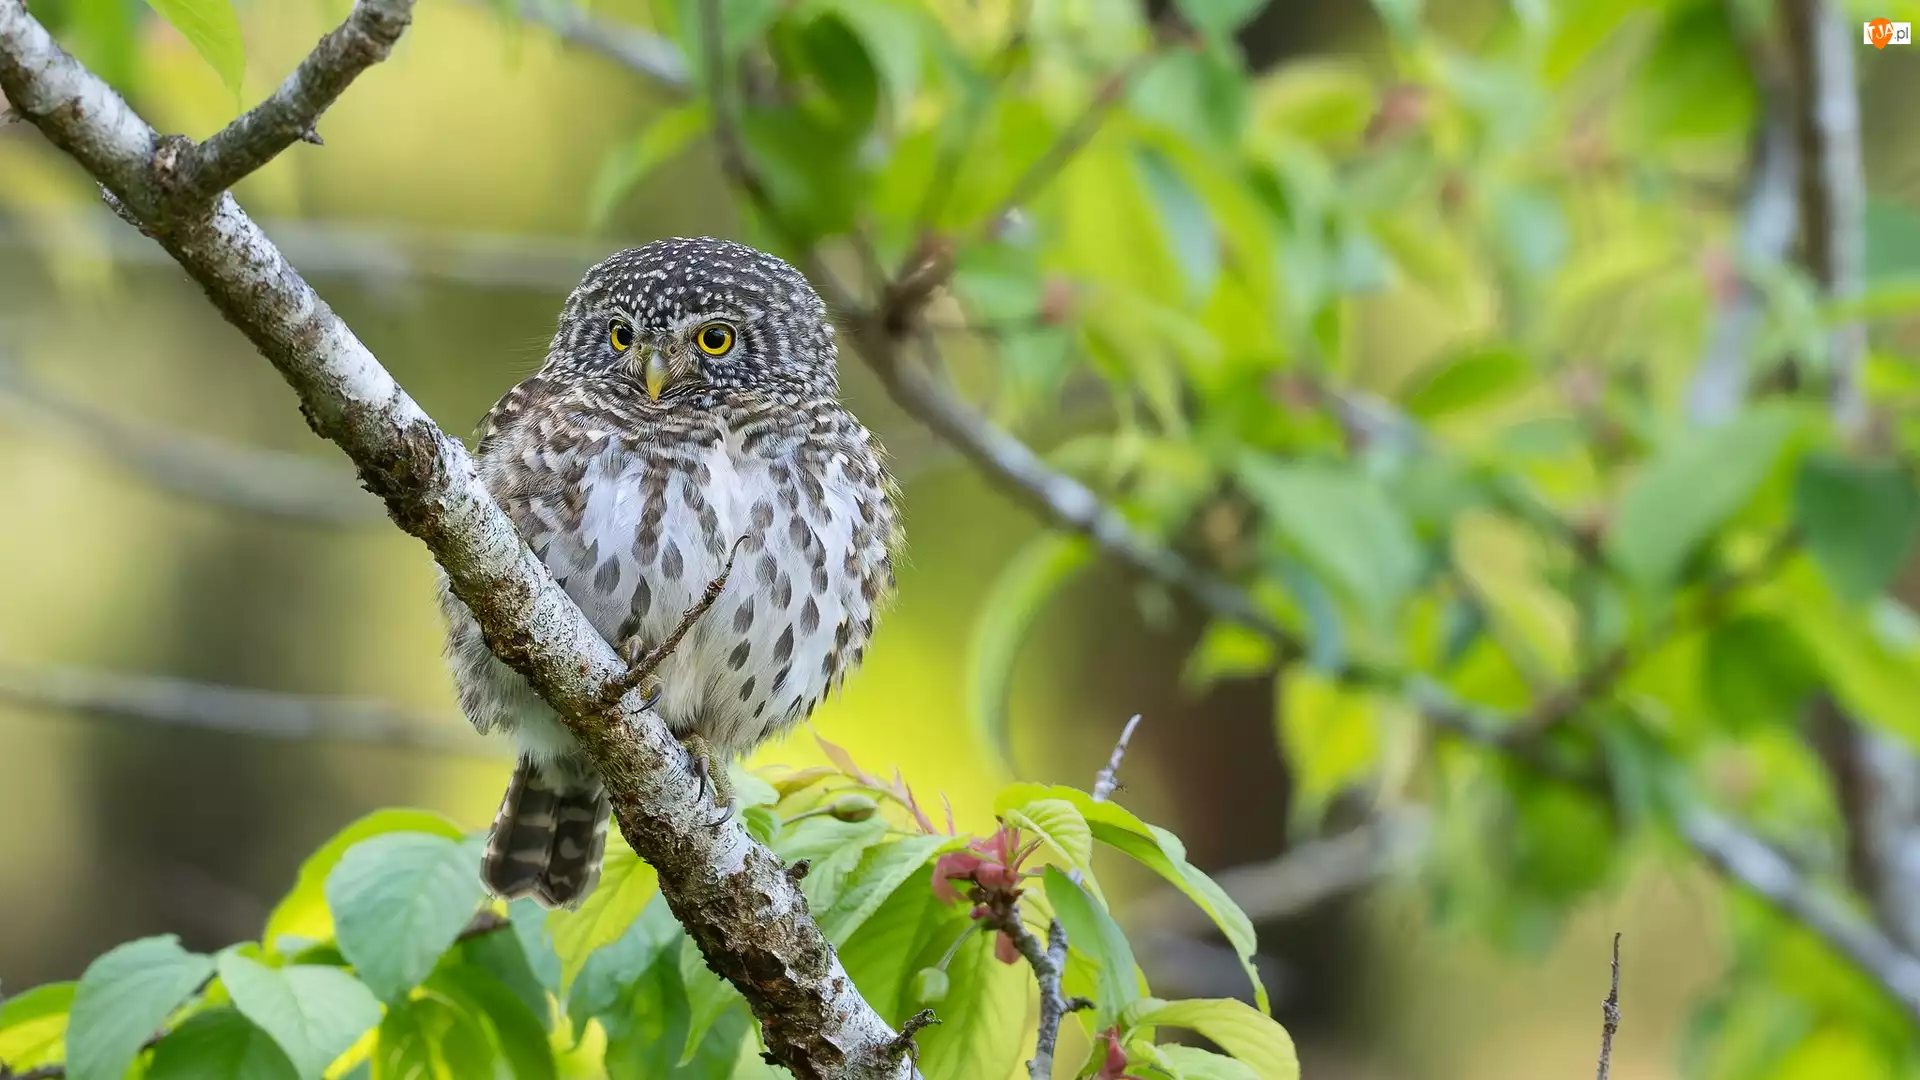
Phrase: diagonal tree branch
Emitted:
{"points": [[734, 897]]}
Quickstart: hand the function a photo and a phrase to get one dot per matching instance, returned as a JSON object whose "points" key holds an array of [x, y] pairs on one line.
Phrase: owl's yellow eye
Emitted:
{"points": [[715, 339], [621, 335]]}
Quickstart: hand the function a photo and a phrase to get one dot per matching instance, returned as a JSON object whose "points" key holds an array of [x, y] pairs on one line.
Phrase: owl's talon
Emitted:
{"points": [[711, 773]]}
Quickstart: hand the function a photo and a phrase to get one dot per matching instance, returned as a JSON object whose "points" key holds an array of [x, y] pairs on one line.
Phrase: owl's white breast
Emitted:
{"points": [[766, 652]]}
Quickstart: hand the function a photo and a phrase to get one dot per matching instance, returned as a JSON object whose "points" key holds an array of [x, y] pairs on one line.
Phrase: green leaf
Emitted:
{"points": [[1330, 735], [219, 1044], [33, 1025], [122, 999], [1193, 1063], [1184, 220], [213, 30], [708, 998], [1859, 519], [882, 869], [515, 1032], [1227, 650], [665, 136], [611, 970], [1160, 851], [1093, 933], [431, 1038], [1756, 672], [529, 923], [1684, 494], [890, 33], [882, 956], [1062, 831], [1014, 601], [984, 1015], [302, 914], [315, 1013], [1218, 18], [626, 885], [1344, 525], [1254, 1039], [1467, 380], [399, 900]]}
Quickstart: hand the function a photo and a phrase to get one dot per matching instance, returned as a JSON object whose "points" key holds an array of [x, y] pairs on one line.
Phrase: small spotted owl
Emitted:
{"points": [[688, 403]]}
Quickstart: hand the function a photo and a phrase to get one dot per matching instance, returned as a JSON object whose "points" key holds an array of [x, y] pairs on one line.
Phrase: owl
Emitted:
{"points": [[688, 410]]}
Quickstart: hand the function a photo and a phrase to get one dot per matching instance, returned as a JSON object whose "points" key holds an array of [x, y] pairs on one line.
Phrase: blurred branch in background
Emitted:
{"points": [[262, 481], [237, 710]]}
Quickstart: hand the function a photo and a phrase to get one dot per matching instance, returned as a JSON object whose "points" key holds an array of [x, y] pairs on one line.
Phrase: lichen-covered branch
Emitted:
{"points": [[732, 895]]}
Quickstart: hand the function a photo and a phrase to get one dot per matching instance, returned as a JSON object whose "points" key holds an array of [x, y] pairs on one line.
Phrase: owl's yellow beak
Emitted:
{"points": [[657, 373]]}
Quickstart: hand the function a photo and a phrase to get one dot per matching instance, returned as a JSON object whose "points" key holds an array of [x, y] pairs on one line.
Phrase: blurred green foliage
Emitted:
{"points": [[1494, 506]]}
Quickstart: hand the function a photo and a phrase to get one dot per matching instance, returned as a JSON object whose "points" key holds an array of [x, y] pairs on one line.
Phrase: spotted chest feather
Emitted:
{"points": [[635, 526]]}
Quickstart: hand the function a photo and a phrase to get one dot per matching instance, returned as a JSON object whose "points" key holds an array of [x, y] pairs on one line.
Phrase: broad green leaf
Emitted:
{"points": [[1014, 601], [122, 999], [399, 900], [1062, 831], [890, 32], [516, 1033], [665, 136], [220, 1044], [1160, 851], [213, 30], [1193, 1063], [1467, 380], [1874, 674], [428, 1037], [529, 923], [1321, 99], [1184, 220], [302, 914], [1756, 671], [708, 998], [1686, 492], [1227, 650], [882, 869], [984, 1015], [1344, 524], [1092, 931], [1218, 18], [1330, 734], [882, 956], [1859, 519], [1254, 1039], [315, 1013], [626, 885], [611, 970], [1696, 81], [33, 1025]]}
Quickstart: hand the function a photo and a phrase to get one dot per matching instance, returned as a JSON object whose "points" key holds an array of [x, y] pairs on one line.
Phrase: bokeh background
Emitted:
{"points": [[189, 578]]}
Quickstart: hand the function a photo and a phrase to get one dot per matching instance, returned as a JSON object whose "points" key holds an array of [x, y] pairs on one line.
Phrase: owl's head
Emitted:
{"points": [[694, 319]]}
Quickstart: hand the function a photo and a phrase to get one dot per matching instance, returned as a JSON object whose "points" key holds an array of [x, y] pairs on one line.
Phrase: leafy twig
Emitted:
{"points": [[1049, 964]]}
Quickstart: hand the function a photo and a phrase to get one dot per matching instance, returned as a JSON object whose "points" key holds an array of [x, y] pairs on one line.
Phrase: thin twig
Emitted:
{"points": [[651, 55], [1610, 1016], [1108, 779], [1049, 964], [647, 664], [259, 135]]}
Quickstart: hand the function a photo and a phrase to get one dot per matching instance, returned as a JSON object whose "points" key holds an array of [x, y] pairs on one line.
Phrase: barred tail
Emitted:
{"points": [[547, 841]]}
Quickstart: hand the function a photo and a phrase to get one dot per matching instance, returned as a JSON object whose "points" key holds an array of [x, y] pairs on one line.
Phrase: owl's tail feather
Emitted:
{"points": [[547, 841]]}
